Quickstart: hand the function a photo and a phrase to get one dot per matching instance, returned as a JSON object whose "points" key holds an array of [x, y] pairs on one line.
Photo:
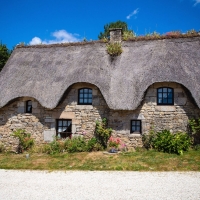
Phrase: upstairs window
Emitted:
{"points": [[85, 96], [28, 106], [165, 96], [136, 126]]}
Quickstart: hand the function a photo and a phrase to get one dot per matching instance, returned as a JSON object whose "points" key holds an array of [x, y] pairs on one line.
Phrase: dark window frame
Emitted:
{"points": [[140, 125], [65, 133], [172, 98], [27, 106], [83, 98]]}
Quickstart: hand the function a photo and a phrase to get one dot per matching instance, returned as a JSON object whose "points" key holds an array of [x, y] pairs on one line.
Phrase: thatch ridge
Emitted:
{"points": [[46, 73]]}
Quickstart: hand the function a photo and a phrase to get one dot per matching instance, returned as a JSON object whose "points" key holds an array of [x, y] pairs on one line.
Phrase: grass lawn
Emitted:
{"points": [[130, 161]]}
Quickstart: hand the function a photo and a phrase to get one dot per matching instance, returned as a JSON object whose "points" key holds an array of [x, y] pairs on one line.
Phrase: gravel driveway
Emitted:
{"points": [[99, 185]]}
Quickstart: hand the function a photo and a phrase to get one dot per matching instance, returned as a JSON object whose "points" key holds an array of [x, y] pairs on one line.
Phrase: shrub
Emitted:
{"points": [[54, 147], [76, 144], [127, 35], [2, 148], [171, 143], [194, 126], [102, 132], [147, 139], [93, 145], [25, 140], [114, 142], [114, 49]]}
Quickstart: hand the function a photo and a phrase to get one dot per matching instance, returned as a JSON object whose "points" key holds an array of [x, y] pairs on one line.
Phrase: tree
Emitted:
{"points": [[117, 24], [4, 55]]}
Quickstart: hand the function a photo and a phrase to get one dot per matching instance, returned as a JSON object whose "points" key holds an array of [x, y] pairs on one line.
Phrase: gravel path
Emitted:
{"points": [[99, 185]]}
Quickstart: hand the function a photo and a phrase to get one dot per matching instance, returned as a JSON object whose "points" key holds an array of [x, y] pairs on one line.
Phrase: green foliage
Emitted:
{"points": [[2, 148], [93, 145], [147, 139], [25, 140], [4, 55], [171, 143], [114, 49], [76, 144], [117, 24], [102, 132], [127, 35], [54, 147], [194, 125], [191, 32]]}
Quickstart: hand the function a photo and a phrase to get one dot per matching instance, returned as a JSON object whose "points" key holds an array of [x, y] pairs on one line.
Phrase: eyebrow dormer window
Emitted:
{"points": [[165, 96], [29, 106], [85, 96]]}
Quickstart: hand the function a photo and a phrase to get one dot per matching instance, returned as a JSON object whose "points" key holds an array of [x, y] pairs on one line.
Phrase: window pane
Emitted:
{"points": [[159, 95], [164, 100], [81, 91], [170, 95], [69, 122], [89, 100], [90, 91], [29, 103], [164, 95], [60, 129], [138, 128], [81, 100], [160, 90], [81, 96], [138, 123], [90, 95], [169, 90], [159, 100], [59, 123], [133, 122], [64, 123], [85, 90], [133, 128], [164, 89], [85, 100], [85, 95], [169, 100]]}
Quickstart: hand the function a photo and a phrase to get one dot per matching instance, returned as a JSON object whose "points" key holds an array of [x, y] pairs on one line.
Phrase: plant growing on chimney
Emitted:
{"points": [[114, 49]]}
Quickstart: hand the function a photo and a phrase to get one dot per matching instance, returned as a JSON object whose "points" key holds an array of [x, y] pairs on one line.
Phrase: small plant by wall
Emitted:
{"points": [[194, 125], [25, 140], [127, 35], [102, 132], [114, 49]]}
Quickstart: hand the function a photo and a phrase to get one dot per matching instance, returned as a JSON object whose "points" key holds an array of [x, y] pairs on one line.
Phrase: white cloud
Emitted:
{"points": [[35, 40], [196, 2], [135, 12], [60, 36]]}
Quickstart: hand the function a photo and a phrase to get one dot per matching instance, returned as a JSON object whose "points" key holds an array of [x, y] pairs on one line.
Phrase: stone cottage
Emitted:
{"points": [[51, 90]]}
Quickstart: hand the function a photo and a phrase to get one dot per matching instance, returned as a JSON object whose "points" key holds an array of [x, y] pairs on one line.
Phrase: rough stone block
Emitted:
{"points": [[67, 115], [20, 110], [182, 101], [165, 108], [49, 135], [34, 104], [49, 120]]}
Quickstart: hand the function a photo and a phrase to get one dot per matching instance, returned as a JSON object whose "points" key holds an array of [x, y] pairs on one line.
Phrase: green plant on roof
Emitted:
{"points": [[114, 49]]}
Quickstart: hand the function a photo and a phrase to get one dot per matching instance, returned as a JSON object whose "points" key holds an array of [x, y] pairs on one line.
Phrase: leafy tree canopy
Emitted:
{"points": [[4, 55], [117, 24]]}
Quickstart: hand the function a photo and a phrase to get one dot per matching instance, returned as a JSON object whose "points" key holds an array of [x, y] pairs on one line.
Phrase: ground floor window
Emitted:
{"points": [[136, 126], [64, 128]]}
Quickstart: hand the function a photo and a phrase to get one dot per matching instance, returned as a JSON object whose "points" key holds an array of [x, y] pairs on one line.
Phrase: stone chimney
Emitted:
{"points": [[115, 35]]}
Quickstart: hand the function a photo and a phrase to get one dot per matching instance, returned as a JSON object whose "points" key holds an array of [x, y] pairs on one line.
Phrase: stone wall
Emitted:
{"points": [[41, 123], [174, 117]]}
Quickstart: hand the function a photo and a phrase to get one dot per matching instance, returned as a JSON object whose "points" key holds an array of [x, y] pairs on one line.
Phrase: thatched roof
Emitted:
{"points": [[45, 72]]}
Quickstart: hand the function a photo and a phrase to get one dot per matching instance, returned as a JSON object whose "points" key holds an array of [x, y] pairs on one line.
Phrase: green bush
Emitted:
{"points": [[76, 144], [102, 132], [114, 49], [54, 147], [2, 148], [147, 139], [171, 143], [25, 140], [93, 145]]}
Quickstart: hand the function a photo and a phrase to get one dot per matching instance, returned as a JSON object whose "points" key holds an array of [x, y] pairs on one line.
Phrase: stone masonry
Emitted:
{"points": [[41, 123]]}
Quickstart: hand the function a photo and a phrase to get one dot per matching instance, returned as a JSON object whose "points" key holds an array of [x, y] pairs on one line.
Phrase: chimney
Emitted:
{"points": [[115, 35]]}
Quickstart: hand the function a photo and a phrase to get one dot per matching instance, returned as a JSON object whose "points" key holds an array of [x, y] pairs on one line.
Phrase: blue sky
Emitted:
{"points": [[51, 21]]}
